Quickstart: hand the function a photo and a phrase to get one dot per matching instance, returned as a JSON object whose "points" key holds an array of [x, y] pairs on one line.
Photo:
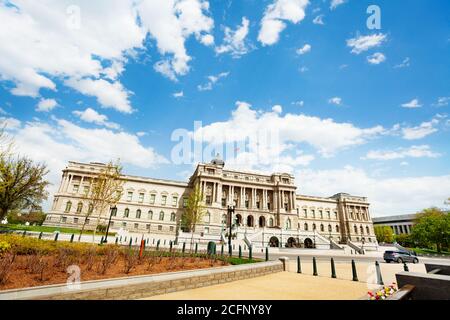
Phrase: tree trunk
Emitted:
{"points": [[438, 247], [3, 213], [82, 230]]}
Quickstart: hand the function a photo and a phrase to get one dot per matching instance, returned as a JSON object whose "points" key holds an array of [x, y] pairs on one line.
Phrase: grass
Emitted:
{"points": [[19, 227], [237, 261], [428, 251]]}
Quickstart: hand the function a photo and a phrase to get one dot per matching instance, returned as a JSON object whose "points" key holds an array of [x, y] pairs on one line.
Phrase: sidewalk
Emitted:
{"points": [[278, 286]]}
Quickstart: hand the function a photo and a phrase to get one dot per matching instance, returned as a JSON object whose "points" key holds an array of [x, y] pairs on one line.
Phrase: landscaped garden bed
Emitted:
{"points": [[30, 262]]}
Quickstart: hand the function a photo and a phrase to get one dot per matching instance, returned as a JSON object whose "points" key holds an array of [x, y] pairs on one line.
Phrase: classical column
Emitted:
{"points": [[214, 199], [219, 193], [242, 202], [264, 199], [69, 183]]}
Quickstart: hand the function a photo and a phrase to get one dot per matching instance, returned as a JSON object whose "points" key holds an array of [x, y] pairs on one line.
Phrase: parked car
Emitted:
{"points": [[400, 256]]}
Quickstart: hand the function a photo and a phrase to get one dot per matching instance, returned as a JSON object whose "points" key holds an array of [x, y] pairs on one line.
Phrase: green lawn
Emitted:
{"points": [[48, 229], [428, 251]]}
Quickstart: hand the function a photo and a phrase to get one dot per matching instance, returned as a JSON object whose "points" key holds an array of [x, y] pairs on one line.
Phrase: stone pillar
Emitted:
{"points": [[69, 183], [264, 199], [242, 204], [219, 193]]}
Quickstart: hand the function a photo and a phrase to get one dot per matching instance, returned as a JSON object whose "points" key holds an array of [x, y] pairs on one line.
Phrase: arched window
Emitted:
{"points": [[126, 214], [271, 222], [150, 215], [79, 207], [337, 228], [367, 230], [306, 227], [314, 226], [329, 228], [161, 216], [207, 218], [224, 219], [68, 206], [356, 229], [322, 228], [91, 208], [173, 216], [288, 224], [361, 229], [138, 213]]}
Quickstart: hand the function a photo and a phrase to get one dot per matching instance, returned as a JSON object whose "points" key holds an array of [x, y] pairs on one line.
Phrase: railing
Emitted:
{"points": [[404, 293]]}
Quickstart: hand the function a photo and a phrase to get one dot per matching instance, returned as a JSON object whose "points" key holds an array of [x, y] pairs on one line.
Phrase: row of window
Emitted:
{"points": [[320, 214], [361, 229], [322, 227]]}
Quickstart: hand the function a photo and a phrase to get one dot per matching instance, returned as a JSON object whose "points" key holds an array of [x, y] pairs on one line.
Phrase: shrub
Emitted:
{"points": [[131, 260], [110, 256], [4, 247], [6, 266]]}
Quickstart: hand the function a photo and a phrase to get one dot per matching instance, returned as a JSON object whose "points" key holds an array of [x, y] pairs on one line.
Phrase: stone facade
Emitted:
{"points": [[268, 210]]}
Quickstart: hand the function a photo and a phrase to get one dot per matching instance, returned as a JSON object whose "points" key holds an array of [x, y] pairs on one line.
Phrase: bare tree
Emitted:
{"points": [[194, 212], [105, 191]]}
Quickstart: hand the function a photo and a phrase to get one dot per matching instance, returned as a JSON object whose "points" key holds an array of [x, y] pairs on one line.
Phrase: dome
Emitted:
{"points": [[218, 161]]}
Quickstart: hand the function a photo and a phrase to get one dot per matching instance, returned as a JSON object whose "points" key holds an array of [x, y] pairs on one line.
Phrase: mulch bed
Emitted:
{"points": [[22, 277]]}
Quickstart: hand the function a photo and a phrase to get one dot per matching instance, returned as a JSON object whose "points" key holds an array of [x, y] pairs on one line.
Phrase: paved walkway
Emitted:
{"points": [[277, 286]]}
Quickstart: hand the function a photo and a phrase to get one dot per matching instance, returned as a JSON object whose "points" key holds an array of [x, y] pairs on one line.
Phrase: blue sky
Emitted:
{"points": [[358, 110]]}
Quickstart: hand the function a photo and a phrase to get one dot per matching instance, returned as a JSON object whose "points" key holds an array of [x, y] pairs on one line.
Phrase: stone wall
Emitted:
{"points": [[145, 286]]}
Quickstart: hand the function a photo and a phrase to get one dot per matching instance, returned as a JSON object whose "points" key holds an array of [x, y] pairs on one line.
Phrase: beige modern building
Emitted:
{"points": [[268, 210], [401, 224]]}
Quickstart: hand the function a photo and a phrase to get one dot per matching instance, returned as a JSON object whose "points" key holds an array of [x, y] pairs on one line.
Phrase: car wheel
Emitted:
{"points": [[399, 260], [416, 261]]}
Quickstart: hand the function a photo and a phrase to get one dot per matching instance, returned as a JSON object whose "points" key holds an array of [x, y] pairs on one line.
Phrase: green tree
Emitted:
{"points": [[194, 212], [384, 234], [432, 227], [104, 192], [22, 183]]}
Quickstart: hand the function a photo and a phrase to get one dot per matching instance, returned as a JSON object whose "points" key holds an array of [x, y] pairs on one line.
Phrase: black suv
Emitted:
{"points": [[400, 256]]}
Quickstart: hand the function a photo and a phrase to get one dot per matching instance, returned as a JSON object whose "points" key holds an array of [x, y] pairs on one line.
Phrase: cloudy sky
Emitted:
{"points": [[354, 109]]}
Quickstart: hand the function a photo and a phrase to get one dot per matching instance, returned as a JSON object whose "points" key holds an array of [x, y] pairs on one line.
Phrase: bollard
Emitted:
{"points": [[125, 239], [40, 235], [157, 245], [405, 267], [250, 253], [142, 248], [355, 275], [184, 247], [56, 236], [135, 240], [71, 237], [333, 269], [24, 233], [230, 251], [221, 250], [299, 266], [120, 239], [170, 246], [117, 241], [240, 252], [315, 267], [196, 247], [131, 242], [379, 278], [101, 240], [267, 254]]}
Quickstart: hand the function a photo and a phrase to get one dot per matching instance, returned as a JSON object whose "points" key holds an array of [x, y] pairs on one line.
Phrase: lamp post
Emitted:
{"points": [[113, 212], [230, 214]]}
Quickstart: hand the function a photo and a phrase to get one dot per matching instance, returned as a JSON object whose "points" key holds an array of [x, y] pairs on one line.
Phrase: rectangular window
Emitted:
{"points": [[130, 196], [85, 190], [305, 213], [185, 202], [174, 201], [152, 198], [63, 219], [136, 225], [159, 228], [148, 227], [164, 200], [111, 224], [206, 230], [141, 197], [88, 221], [224, 202], [124, 224], [171, 228], [75, 220], [208, 200], [75, 189]]}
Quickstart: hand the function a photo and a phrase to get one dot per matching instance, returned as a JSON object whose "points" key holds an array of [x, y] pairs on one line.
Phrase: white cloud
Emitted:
{"points": [[336, 101], [234, 41], [178, 94], [387, 196], [303, 50], [275, 14], [109, 94], [277, 109], [324, 135], [319, 20], [61, 141], [422, 151], [299, 103], [414, 103], [212, 80], [421, 131], [442, 102], [376, 58], [405, 63], [91, 116], [10, 123], [364, 43], [46, 105], [60, 39], [303, 69], [335, 3]]}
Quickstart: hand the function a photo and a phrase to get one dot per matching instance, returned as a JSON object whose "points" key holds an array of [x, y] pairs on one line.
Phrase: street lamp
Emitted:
{"points": [[230, 214], [113, 212]]}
